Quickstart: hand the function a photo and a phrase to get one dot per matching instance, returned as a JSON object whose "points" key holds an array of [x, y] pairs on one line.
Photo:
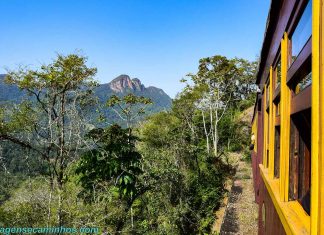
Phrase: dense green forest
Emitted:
{"points": [[164, 174]]}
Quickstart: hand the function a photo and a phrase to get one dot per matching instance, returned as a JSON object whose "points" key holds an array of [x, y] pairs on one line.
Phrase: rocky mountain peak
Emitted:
{"points": [[138, 84], [123, 82]]}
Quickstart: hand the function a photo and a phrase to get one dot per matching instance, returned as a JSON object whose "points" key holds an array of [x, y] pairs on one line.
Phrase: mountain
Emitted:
{"points": [[123, 85], [123, 82], [9, 92], [120, 86]]}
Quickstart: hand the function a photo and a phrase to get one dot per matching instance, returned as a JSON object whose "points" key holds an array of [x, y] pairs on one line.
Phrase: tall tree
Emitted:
{"points": [[52, 121], [221, 83], [114, 162]]}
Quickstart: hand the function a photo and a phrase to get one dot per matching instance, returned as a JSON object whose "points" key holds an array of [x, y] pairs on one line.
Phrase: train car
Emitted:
{"points": [[288, 121]]}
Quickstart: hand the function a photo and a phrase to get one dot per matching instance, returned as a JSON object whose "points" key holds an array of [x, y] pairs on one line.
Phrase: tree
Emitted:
{"points": [[186, 182], [113, 161], [129, 107], [221, 83], [51, 123]]}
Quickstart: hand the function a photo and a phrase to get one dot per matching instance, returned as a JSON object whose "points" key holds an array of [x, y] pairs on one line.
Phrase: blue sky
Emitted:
{"points": [[158, 41]]}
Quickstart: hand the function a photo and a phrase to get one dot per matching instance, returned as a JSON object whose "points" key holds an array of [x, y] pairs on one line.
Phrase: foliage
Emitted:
{"points": [[222, 84], [163, 176], [129, 108], [187, 183], [113, 161], [30, 202], [51, 124], [10, 93]]}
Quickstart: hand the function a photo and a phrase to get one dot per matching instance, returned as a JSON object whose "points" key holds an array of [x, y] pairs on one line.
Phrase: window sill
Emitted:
{"points": [[292, 215]]}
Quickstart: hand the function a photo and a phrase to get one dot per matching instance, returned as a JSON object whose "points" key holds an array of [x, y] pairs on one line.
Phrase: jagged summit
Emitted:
{"points": [[124, 82]]}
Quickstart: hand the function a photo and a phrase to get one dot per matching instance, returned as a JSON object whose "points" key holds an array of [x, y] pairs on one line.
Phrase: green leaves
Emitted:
{"points": [[51, 124], [65, 73], [113, 100], [129, 107], [225, 77], [17, 118], [167, 182], [129, 99], [114, 161]]}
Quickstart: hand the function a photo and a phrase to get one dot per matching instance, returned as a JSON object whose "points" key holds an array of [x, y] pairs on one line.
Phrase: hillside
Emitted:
{"points": [[9, 92], [60, 165], [120, 86]]}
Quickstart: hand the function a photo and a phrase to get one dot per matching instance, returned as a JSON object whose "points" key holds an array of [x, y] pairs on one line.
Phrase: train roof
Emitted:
{"points": [[271, 23]]}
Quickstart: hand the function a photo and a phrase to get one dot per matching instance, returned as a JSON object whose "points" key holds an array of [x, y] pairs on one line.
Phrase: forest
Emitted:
{"points": [[64, 164]]}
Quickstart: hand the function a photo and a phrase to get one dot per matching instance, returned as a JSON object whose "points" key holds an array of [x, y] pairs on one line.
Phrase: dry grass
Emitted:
{"points": [[246, 115], [240, 213], [221, 212]]}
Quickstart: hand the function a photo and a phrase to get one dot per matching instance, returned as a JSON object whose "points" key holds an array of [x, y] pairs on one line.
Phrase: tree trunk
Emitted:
{"points": [[61, 157], [205, 129], [49, 214], [216, 132]]}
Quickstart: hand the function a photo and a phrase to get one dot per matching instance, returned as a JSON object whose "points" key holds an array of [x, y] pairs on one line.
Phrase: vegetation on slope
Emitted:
{"points": [[165, 175]]}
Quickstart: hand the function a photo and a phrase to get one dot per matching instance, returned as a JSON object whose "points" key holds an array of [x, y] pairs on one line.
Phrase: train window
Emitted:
{"points": [[278, 109], [302, 32], [277, 152], [300, 158], [277, 73], [303, 83]]}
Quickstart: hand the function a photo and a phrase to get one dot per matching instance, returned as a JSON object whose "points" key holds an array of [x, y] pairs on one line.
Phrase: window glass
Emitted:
{"points": [[277, 152], [302, 32], [300, 158], [278, 109], [278, 73], [302, 84]]}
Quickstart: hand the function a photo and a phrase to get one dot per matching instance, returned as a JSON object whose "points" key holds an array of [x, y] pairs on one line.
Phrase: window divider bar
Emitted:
{"points": [[316, 148], [271, 125], [285, 122], [265, 128], [301, 101], [321, 115]]}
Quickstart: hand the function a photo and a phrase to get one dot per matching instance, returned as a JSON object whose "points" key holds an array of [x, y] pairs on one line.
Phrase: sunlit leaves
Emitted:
{"points": [[129, 107], [114, 160], [65, 73]]}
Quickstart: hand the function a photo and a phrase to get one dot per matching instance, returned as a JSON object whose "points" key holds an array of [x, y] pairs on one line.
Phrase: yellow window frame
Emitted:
{"points": [[317, 148], [296, 223], [284, 122]]}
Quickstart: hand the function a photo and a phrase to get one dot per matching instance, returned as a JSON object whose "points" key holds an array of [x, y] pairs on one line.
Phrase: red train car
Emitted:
{"points": [[288, 120]]}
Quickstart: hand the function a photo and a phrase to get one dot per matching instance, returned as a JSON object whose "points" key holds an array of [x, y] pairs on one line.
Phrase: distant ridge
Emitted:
{"points": [[9, 92], [123, 85], [120, 86]]}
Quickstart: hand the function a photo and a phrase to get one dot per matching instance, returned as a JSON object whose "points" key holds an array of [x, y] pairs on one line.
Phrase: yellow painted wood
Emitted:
{"points": [[321, 130], [255, 132], [292, 215], [265, 127], [271, 126], [284, 122], [315, 118]]}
